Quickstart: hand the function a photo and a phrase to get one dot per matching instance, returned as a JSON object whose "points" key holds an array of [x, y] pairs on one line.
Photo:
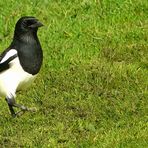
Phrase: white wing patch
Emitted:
{"points": [[9, 54]]}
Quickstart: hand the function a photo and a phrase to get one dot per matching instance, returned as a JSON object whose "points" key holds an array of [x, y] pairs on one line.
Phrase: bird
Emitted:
{"points": [[21, 62]]}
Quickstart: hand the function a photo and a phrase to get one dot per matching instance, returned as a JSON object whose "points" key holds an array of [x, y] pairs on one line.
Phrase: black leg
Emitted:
{"points": [[11, 103], [11, 110]]}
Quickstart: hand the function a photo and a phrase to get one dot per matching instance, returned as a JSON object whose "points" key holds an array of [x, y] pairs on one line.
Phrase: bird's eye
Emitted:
{"points": [[28, 23]]}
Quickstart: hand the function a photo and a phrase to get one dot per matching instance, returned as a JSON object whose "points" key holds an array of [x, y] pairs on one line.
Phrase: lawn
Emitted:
{"points": [[92, 89]]}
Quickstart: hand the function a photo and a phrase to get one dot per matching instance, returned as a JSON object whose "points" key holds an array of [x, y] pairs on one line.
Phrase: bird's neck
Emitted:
{"points": [[28, 38]]}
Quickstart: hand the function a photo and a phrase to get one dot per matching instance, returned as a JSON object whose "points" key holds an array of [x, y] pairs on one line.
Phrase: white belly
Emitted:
{"points": [[13, 79]]}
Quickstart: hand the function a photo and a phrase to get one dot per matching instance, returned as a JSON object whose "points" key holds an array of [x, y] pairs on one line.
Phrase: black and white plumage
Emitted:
{"points": [[21, 61]]}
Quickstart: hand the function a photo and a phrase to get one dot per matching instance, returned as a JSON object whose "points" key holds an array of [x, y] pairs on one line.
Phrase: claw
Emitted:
{"points": [[33, 109], [23, 110]]}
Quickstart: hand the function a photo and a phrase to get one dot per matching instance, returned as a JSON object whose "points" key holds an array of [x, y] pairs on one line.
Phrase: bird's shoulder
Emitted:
{"points": [[6, 57], [7, 54]]}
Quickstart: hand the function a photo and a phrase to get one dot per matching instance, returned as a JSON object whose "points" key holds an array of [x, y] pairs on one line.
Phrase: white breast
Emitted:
{"points": [[13, 79]]}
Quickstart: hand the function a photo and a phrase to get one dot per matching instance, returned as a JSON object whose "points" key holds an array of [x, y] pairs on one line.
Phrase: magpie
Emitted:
{"points": [[20, 62]]}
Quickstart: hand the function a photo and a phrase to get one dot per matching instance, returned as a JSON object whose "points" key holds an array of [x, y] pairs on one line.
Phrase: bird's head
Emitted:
{"points": [[27, 24]]}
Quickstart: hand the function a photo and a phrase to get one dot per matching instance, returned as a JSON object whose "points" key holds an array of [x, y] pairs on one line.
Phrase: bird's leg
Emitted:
{"points": [[11, 103], [11, 109]]}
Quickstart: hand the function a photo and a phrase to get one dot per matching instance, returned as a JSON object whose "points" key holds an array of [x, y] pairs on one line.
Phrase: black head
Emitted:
{"points": [[27, 24]]}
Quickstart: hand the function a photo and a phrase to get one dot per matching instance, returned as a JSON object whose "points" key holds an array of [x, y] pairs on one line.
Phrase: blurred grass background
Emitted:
{"points": [[92, 89]]}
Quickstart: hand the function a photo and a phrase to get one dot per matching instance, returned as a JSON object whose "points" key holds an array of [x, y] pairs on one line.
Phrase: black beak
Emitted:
{"points": [[36, 25]]}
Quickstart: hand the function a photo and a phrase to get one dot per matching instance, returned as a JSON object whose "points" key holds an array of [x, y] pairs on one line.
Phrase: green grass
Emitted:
{"points": [[92, 89]]}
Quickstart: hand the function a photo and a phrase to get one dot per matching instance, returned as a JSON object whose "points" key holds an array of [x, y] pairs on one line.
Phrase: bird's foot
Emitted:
{"points": [[11, 103], [23, 110]]}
